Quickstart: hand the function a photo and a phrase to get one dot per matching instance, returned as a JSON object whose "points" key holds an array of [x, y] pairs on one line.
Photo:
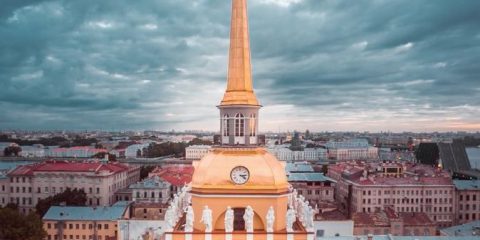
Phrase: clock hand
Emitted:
{"points": [[243, 176]]}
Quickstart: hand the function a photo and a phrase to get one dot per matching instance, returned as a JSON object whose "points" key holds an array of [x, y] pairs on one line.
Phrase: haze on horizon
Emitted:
{"points": [[320, 65]]}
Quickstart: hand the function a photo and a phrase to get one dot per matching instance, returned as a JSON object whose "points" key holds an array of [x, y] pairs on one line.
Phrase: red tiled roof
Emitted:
{"points": [[64, 166], [416, 219], [175, 175], [384, 218], [413, 174]]}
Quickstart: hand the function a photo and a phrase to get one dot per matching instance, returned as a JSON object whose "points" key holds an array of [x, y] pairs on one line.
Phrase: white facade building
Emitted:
{"points": [[36, 150], [354, 149], [132, 150], [72, 152], [153, 190], [283, 153], [196, 152]]}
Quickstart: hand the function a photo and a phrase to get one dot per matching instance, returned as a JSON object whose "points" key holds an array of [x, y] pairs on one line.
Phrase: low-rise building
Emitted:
{"points": [[314, 186], [176, 175], [148, 210], [196, 152], [387, 221], [354, 149], [85, 223], [5, 167], [284, 153], [151, 190], [471, 229], [405, 187], [467, 200], [73, 152], [136, 150], [36, 150], [30, 183]]}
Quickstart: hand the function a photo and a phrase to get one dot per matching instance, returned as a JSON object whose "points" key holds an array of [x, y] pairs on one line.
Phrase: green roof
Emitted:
{"points": [[114, 212], [308, 177], [467, 184]]}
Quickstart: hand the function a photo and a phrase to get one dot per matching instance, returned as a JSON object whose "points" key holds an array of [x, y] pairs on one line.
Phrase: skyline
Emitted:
{"points": [[100, 65]]}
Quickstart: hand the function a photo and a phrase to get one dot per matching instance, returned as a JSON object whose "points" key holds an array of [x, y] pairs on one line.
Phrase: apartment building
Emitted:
{"points": [[404, 187], [28, 184]]}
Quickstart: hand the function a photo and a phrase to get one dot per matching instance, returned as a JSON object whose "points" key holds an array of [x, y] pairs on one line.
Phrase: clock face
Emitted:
{"points": [[240, 175]]}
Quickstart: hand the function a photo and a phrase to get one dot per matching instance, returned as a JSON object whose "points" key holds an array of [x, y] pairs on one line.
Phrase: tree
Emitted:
{"points": [[12, 151], [13, 206], [101, 155], [164, 149], [325, 169], [69, 197], [198, 141], [16, 226], [145, 170]]}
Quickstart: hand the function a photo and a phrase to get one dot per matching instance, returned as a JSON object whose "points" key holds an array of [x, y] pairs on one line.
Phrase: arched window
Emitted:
{"points": [[252, 124], [226, 130], [239, 125]]}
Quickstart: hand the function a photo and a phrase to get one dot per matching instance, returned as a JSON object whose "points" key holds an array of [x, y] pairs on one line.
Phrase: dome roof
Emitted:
{"points": [[212, 173]]}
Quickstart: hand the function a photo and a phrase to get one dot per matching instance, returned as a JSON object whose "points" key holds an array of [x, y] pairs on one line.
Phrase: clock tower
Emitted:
{"points": [[239, 188]]}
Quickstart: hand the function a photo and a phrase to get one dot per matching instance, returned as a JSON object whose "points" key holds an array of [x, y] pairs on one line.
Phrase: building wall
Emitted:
{"points": [[26, 191], [436, 201], [468, 205], [157, 195], [83, 230], [196, 152], [4, 191], [152, 212], [343, 154], [315, 192], [396, 230], [309, 154]]}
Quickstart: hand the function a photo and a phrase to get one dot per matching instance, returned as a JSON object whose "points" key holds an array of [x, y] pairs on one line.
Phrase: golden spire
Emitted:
{"points": [[239, 86]]}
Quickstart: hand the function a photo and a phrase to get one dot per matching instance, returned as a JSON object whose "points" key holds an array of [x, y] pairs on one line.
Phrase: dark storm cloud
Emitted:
{"points": [[336, 65]]}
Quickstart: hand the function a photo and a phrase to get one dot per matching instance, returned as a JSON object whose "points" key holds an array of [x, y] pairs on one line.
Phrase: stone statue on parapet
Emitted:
{"points": [[229, 215], [310, 225], [270, 219], [248, 218], [207, 219], [170, 218], [189, 219], [291, 216]]}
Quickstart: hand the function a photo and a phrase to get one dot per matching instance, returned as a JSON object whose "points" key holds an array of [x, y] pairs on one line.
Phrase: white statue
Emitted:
{"points": [[305, 213], [189, 219], [310, 219], [290, 219], [229, 220], [170, 218], [175, 217], [207, 219], [177, 205], [299, 209], [270, 219], [248, 218]]}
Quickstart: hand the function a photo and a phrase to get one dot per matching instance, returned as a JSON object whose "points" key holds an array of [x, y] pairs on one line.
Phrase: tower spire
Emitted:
{"points": [[239, 87]]}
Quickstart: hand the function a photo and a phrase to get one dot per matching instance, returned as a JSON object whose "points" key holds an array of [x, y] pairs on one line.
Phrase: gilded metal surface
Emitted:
{"points": [[239, 87], [267, 174]]}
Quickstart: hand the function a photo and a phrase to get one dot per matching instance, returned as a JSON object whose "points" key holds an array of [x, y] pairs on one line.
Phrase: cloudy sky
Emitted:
{"points": [[371, 65]]}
